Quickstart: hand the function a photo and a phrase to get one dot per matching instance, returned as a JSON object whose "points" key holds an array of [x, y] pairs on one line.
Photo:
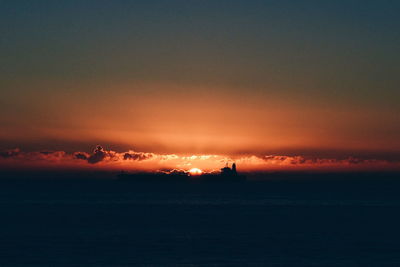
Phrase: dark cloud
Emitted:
{"points": [[137, 156], [300, 160], [81, 155], [10, 153], [98, 155], [352, 160], [46, 152], [174, 171], [16, 154]]}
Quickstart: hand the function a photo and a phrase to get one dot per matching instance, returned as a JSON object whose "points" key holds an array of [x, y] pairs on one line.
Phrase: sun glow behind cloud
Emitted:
{"points": [[195, 171], [159, 117], [102, 159], [276, 89]]}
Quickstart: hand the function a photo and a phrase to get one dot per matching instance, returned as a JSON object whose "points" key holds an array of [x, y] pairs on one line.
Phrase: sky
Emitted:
{"points": [[269, 84]]}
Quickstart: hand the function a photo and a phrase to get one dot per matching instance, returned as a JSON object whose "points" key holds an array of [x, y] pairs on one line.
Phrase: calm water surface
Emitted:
{"points": [[273, 223]]}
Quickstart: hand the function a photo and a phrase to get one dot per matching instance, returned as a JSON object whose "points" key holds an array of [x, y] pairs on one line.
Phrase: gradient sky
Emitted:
{"points": [[310, 78]]}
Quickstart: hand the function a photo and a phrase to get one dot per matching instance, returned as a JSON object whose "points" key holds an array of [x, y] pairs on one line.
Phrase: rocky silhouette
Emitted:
{"points": [[227, 174]]}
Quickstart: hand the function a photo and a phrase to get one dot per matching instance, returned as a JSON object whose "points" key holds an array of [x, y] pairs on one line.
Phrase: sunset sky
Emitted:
{"points": [[268, 84]]}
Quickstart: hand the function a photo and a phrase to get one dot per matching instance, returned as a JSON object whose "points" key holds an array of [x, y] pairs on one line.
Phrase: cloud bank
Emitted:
{"points": [[101, 158]]}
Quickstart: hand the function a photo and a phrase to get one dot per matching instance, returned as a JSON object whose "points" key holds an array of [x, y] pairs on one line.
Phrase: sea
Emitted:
{"points": [[316, 221]]}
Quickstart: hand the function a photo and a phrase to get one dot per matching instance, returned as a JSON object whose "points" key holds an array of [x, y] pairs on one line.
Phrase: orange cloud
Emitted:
{"points": [[105, 159]]}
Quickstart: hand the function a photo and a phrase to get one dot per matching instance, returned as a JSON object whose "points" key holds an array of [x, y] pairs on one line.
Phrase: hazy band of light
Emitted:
{"points": [[102, 159]]}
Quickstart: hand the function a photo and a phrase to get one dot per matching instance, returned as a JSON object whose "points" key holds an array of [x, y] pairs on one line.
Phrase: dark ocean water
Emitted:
{"points": [[304, 222]]}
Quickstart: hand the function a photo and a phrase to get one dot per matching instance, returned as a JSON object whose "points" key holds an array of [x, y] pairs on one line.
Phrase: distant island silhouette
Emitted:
{"points": [[226, 174]]}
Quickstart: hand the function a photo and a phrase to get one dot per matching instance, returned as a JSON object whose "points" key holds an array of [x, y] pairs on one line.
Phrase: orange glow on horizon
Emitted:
{"points": [[195, 171], [230, 122], [104, 159]]}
